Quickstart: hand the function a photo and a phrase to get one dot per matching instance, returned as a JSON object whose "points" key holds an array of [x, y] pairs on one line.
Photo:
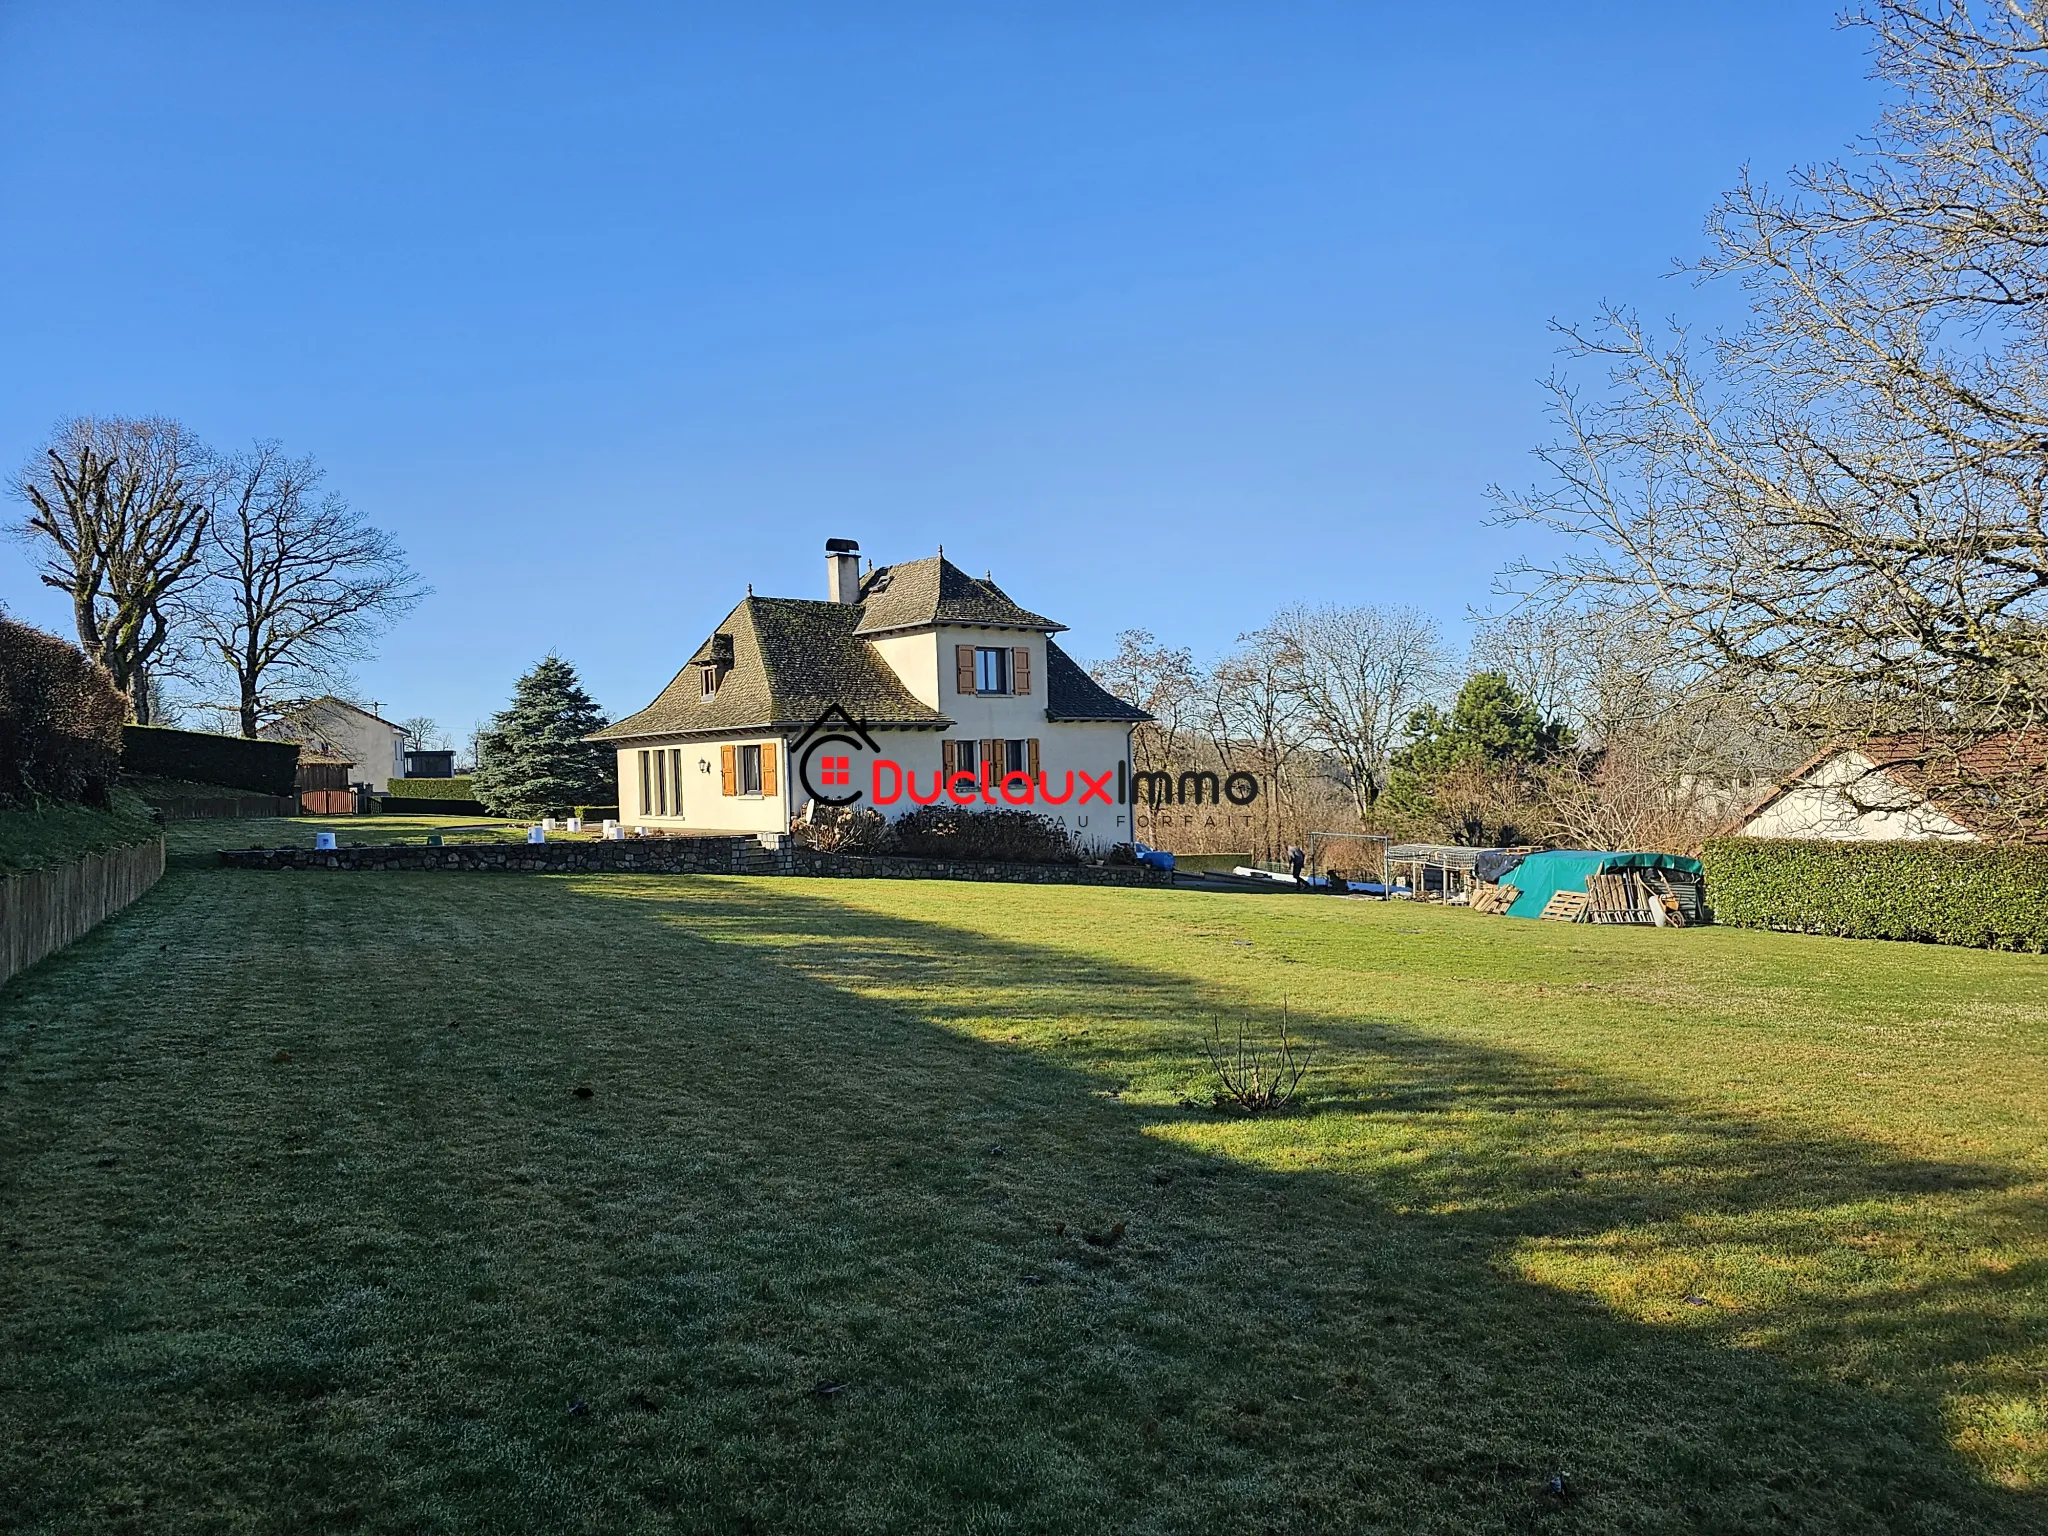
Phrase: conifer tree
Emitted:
{"points": [[535, 760]]}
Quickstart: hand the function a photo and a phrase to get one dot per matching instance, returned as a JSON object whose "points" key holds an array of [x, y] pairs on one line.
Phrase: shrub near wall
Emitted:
{"points": [[1985, 895], [60, 721], [262, 767]]}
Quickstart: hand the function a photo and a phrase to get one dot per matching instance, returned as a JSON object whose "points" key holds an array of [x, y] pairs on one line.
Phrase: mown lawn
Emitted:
{"points": [[306, 1227]]}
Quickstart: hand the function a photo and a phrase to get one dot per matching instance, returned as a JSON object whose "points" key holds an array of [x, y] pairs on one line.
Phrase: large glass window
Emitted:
{"points": [[963, 757], [750, 770], [1016, 757], [661, 782], [992, 669]]}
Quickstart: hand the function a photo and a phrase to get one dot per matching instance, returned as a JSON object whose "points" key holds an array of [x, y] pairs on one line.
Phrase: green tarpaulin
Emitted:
{"points": [[1542, 875]]}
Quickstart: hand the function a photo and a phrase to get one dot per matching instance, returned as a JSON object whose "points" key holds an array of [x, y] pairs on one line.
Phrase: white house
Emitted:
{"points": [[913, 684], [335, 728], [1903, 788]]}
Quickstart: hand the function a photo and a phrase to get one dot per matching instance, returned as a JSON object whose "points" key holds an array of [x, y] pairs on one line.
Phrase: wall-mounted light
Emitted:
{"points": [[703, 765]]}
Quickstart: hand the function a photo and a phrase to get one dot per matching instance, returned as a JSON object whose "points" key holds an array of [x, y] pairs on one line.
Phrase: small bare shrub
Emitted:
{"points": [[1252, 1077], [842, 829], [949, 832]]}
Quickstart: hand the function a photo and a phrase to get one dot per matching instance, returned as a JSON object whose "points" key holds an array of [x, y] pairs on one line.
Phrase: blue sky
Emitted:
{"points": [[1167, 313]]}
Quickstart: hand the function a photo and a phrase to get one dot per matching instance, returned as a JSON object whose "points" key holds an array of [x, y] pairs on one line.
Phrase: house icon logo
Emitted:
{"points": [[824, 756]]}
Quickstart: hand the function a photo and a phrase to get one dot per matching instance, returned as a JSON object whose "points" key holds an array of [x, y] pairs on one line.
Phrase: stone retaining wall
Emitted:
{"points": [[678, 856]]}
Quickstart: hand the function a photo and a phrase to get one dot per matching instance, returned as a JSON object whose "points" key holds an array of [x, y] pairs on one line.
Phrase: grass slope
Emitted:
{"points": [[57, 834], [305, 1227]]}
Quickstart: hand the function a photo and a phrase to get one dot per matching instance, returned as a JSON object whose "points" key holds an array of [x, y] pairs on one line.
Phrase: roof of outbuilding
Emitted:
{"points": [[790, 660], [918, 593]]}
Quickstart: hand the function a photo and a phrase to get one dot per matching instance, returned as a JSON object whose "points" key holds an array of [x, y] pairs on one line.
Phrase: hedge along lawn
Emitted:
{"points": [[307, 1228]]}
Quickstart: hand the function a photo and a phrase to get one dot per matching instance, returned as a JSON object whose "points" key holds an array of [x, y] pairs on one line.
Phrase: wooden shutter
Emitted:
{"points": [[1031, 756], [728, 771], [1020, 669], [992, 754], [963, 668], [949, 752], [768, 784]]}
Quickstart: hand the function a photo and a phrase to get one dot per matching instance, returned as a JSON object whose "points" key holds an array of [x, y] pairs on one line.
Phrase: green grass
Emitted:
{"points": [[305, 1228], [57, 834]]}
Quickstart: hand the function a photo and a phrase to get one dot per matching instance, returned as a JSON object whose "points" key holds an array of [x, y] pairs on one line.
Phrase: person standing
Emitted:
{"points": [[1295, 859]]}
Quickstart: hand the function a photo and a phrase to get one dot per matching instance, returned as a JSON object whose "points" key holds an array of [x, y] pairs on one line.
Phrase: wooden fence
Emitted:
{"points": [[42, 910], [224, 807]]}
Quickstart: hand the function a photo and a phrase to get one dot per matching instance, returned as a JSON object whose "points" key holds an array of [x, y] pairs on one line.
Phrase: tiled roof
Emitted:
{"points": [[1071, 694], [1986, 785], [791, 659], [936, 591]]}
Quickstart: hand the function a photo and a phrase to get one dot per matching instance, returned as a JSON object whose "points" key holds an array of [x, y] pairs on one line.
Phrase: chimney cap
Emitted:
{"points": [[842, 546]]}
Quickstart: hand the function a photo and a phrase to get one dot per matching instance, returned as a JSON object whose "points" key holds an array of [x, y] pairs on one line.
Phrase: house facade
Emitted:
{"points": [[1905, 788], [339, 731], [912, 683]]}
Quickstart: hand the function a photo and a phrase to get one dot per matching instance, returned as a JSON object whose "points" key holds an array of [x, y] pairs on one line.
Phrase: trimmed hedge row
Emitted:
{"points": [[456, 788], [420, 805], [60, 721], [263, 767], [1985, 895]]}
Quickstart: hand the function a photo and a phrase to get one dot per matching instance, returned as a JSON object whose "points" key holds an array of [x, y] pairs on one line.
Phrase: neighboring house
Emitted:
{"points": [[1906, 788], [334, 728], [938, 674]]}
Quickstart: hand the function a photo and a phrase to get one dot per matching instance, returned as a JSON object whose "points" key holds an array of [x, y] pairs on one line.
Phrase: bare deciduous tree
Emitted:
{"points": [[1163, 681], [1838, 507], [1357, 675], [119, 508], [424, 731], [297, 579]]}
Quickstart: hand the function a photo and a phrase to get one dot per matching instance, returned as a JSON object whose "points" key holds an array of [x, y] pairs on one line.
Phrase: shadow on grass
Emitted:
{"points": [[814, 1253]]}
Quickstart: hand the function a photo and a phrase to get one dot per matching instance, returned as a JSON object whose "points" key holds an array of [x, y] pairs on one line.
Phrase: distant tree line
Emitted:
{"points": [[1826, 523]]}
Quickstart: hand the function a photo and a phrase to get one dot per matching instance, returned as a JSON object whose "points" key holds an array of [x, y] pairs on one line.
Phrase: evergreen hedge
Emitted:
{"points": [[261, 767], [1985, 895], [457, 788], [60, 721]]}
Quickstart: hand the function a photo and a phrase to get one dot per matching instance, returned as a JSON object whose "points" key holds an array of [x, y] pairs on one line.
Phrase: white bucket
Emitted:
{"points": [[537, 834], [323, 840], [575, 823]]}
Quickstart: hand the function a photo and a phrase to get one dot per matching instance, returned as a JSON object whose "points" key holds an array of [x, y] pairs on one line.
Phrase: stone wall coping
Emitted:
{"points": [[737, 855]]}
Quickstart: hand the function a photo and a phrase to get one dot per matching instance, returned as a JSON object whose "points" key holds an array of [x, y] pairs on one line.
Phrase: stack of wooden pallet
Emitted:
{"points": [[1494, 900], [1566, 907], [1640, 896]]}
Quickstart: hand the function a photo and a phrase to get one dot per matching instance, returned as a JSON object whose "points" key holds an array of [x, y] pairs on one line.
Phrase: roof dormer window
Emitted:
{"points": [[709, 678]]}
